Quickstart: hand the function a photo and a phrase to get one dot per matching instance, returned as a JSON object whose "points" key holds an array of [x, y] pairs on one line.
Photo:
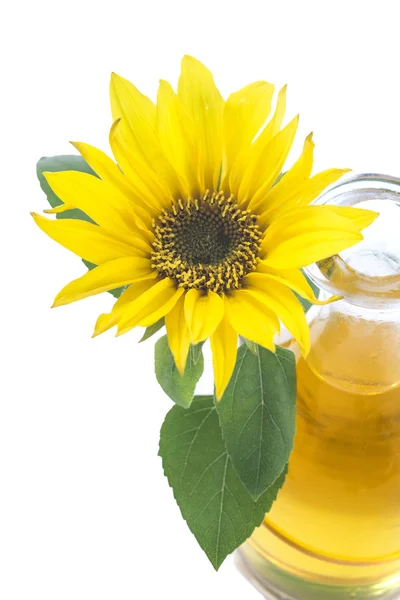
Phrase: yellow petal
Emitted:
{"points": [[61, 208], [280, 300], [177, 138], [203, 314], [109, 171], [139, 128], [295, 280], [205, 105], [310, 247], [148, 185], [178, 334], [86, 240], [262, 173], [150, 306], [252, 153], [104, 166], [137, 236], [360, 217], [292, 180], [224, 349], [108, 320], [101, 201], [245, 113], [316, 185], [275, 123], [128, 102], [251, 319], [136, 110], [302, 196], [108, 276], [307, 235]]}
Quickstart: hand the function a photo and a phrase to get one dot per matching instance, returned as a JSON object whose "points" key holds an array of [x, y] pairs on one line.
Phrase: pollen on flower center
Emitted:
{"points": [[208, 243]]}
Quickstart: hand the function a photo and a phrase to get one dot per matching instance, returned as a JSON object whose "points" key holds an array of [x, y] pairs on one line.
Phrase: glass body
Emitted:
{"points": [[334, 531]]}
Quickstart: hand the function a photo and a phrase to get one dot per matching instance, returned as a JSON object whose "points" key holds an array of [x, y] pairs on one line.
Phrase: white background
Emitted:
{"points": [[85, 512]]}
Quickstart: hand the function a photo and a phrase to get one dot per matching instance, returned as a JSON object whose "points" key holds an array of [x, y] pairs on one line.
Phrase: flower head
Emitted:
{"points": [[195, 219]]}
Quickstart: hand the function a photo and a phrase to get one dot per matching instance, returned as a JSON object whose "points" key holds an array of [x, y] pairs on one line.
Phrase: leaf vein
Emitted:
{"points": [[205, 471], [221, 510], [193, 441]]}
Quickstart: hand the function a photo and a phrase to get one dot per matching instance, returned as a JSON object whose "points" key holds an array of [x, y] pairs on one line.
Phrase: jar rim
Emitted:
{"points": [[334, 274]]}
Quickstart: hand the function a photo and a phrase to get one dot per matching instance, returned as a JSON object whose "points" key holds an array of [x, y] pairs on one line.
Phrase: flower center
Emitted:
{"points": [[206, 244]]}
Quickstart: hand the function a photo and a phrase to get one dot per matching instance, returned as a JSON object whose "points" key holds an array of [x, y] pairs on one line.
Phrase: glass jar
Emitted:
{"points": [[334, 531]]}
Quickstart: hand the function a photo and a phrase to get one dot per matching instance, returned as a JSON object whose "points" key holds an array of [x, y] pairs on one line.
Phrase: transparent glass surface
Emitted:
{"points": [[334, 531]]}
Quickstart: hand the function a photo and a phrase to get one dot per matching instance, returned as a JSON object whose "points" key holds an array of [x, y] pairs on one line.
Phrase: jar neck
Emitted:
{"points": [[355, 342]]}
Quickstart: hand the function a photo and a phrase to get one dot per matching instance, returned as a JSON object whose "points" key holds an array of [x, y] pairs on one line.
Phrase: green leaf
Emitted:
{"points": [[258, 413], [53, 164], [267, 499], [69, 162], [179, 389], [215, 504], [305, 303], [152, 329]]}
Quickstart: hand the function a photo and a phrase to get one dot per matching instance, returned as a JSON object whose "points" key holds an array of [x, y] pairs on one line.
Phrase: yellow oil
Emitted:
{"points": [[337, 518]]}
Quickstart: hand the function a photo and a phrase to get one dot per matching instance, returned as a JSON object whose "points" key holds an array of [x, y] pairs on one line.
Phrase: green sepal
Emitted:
{"points": [[277, 180], [152, 329], [179, 388], [196, 351], [252, 346], [258, 415], [213, 501]]}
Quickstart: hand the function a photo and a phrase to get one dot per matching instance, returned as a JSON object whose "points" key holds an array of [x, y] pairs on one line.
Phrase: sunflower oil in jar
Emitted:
{"points": [[334, 531]]}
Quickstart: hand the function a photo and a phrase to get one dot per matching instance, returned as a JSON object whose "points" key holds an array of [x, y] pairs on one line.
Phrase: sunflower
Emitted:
{"points": [[196, 220]]}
